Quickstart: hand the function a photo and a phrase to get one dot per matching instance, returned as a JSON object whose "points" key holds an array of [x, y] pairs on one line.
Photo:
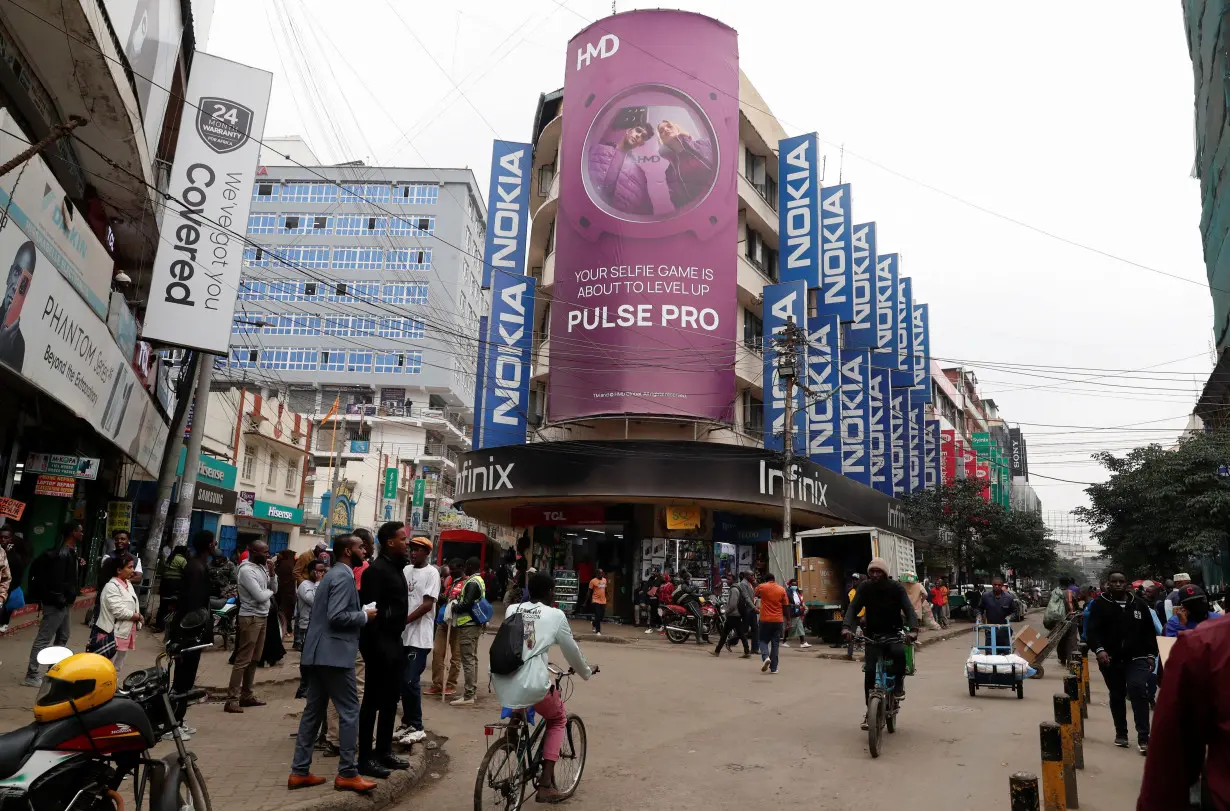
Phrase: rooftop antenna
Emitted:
{"points": [[841, 162]]}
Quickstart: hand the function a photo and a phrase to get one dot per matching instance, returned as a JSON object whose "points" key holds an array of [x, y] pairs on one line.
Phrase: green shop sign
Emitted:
{"points": [[210, 470], [277, 512]]}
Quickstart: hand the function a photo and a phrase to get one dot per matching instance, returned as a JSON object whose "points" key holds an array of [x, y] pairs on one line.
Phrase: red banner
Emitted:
{"points": [[948, 455], [970, 460], [984, 478]]}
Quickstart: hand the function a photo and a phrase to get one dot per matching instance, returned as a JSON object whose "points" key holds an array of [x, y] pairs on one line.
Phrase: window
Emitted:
{"points": [[275, 465], [335, 324], [412, 227], [314, 256], [322, 224], [405, 293], [755, 169], [349, 225], [345, 258], [277, 325], [761, 255], [293, 224], [285, 290], [366, 193], [420, 194], [399, 327], [370, 259], [262, 223], [302, 192], [390, 363], [274, 358], [546, 174], [753, 331], [257, 257], [249, 462], [309, 290], [414, 362], [360, 360], [284, 256], [292, 476], [339, 289], [303, 359], [753, 414], [245, 323], [305, 325], [265, 192], [251, 290], [407, 259], [333, 360], [243, 358]]}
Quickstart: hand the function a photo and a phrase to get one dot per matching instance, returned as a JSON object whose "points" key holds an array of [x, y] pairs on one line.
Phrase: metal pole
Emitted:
{"points": [[57, 132], [1063, 717], [337, 460], [781, 559], [187, 487], [166, 478], [1023, 791]]}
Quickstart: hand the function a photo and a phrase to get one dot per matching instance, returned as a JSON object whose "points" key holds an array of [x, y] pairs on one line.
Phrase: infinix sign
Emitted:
{"points": [[782, 303], [855, 431], [508, 218], [507, 376], [837, 254], [799, 208], [824, 402], [862, 331], [886, 306]]}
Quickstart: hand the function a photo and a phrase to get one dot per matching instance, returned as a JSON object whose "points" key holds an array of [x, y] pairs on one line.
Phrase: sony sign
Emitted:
{"points": [[862, 331], [837, 256], [799, 208], [197, 267]]}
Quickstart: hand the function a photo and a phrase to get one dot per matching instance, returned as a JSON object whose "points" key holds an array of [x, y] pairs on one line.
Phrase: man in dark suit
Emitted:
{"points": [[329, 651], [383, 654]]}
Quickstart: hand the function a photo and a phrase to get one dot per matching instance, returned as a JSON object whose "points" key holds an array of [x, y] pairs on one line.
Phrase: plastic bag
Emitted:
{"points": [[1056, 610]]}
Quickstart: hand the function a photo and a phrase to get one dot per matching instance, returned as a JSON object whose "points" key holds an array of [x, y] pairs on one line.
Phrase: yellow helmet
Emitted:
{"points": [[84, 680]]}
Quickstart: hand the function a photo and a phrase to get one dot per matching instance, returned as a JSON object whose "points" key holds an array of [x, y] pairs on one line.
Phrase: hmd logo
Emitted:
{"points": [[607, 46]]}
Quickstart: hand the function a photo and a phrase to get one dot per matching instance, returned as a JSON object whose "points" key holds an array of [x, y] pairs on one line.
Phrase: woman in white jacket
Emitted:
{"points": [[119, 612]]}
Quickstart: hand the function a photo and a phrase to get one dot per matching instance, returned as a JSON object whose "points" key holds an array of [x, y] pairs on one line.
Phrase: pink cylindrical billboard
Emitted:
{"points": [[644, 303]]}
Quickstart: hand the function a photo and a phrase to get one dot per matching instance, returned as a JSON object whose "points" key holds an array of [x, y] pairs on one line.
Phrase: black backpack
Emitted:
{"points": [[42, 573], [508, 647]]}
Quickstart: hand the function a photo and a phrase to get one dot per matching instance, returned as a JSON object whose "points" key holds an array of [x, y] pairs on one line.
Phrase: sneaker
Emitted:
{"points": [[187, 730], [1122, 741], [863, 726], [714, 653], [432, 691], [772, 672], [4, 629], [785, 644], [402, 731], [764, 666], [898, 692], [170, 736], [805, 645], [1143, 747], [648, 631], [462, 702], [413, 737], [597, 633], [32, 681]]}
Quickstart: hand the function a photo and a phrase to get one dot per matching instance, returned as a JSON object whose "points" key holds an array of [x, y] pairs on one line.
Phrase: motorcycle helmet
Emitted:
{"points": [[83, 681]]}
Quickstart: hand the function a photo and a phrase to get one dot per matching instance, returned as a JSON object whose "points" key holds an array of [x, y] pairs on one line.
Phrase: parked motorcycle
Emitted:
{"points": [[679, 623], [89, 735], [224, 611]]}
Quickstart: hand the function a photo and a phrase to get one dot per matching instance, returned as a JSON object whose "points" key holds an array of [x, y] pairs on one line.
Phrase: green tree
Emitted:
{"points": [[1163, 507], [958, 516], [1020, 541]]}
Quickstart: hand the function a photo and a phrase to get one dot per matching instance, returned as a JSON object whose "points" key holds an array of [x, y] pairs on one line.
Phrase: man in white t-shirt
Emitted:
{"points": [[423, 583]]}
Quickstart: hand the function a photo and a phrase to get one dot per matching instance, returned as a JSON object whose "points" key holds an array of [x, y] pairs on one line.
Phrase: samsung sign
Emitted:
{"points": [[506, 378], [508, 215], [799, 209]]}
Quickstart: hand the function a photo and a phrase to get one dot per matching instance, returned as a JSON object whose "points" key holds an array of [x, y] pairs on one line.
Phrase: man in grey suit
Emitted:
{"points": [[328, 661]]}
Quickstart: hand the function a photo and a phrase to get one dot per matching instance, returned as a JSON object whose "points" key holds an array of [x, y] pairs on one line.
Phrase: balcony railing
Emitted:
{"points": [[439, 451]]}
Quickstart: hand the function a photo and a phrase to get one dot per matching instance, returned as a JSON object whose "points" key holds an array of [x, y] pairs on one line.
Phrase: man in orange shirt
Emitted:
{"points": [[773, 602], [597, 600]]}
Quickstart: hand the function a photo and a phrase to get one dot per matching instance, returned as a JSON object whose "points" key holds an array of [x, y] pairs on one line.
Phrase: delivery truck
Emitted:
{"points": [[828, 556]]}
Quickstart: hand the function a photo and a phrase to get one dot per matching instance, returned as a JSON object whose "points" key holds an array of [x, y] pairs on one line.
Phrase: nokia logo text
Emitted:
{"points": [[800, 203], [886, 314], [822, 380], [854, 414], [835, 244], [604, 47], [509, 364], [509, 211], [862, 294]]}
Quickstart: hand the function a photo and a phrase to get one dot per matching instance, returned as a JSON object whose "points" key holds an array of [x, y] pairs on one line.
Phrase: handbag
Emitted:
{"points": [[17, 599], [101, 642]]}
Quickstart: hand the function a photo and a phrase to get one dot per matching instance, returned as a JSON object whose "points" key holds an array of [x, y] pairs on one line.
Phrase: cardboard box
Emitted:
{"points": [[820, 581], [1028, 643]]}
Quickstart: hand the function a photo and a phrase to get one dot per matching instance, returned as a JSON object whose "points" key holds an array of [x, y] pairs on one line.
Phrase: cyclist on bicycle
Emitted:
{"points": [[888, 611], [530, 685]]}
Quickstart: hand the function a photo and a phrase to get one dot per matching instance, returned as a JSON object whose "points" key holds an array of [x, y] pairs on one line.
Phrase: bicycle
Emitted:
{"points": [[882, 704], [514, 760]]}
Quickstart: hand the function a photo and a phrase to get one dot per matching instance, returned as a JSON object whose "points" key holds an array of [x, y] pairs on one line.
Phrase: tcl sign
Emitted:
{"points": [[562, 515]]}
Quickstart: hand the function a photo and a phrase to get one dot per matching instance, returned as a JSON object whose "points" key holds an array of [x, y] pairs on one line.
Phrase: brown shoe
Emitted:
{"points": [[251, 702], [432, 691], [357, 784], [550, 795], [232, 706], [304, 781]]}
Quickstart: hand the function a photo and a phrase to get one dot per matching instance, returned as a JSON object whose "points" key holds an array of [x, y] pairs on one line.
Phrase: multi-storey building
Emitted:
{"points": [[361, 289]]}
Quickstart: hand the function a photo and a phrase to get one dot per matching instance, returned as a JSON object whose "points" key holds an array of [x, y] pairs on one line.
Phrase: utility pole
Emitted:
{"points": [[57, 132], [786, 363], [187, 486], [337, 458]]}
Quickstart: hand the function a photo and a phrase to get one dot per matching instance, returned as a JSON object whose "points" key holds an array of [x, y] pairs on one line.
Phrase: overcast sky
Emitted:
{"points": [[1074, 119]]}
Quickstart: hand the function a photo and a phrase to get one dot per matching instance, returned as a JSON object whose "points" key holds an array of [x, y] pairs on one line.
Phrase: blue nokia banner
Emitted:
{"points": [[480, 376], [918, 421], [899, 439], [921, 360], [508, 209], [878, 397], [783, 302], [903, 377], [931, 454], [836, 253], [862, 331], [798, 209], [507, 378], [824, 403], [855, 415], [886, 309]]}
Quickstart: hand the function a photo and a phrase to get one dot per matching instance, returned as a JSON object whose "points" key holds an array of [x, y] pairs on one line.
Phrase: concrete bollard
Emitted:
{"points": [[1071, 689], [1076, 667], [1054, 797], [1023, 788], [1085, 675], [1063, 717]]}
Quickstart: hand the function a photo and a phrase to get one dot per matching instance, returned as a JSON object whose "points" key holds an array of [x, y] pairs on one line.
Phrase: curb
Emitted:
{"points": [[612, 640], [386, 793], [931, 638]]}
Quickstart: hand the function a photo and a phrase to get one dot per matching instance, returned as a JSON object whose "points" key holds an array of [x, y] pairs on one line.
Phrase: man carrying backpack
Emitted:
{"points": [[519, 670], [469, 627], [738, 608], [54, 584]]}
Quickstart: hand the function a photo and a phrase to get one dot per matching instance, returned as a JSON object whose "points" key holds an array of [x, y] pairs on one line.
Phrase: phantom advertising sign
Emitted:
{"points": [[648, 220], [798, 209], [197, 267]]}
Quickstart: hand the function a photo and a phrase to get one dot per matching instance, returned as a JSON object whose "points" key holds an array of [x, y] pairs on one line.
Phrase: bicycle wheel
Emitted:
{"points": [[890, 715], [500, 780], [572, 753], [875, 711]]}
